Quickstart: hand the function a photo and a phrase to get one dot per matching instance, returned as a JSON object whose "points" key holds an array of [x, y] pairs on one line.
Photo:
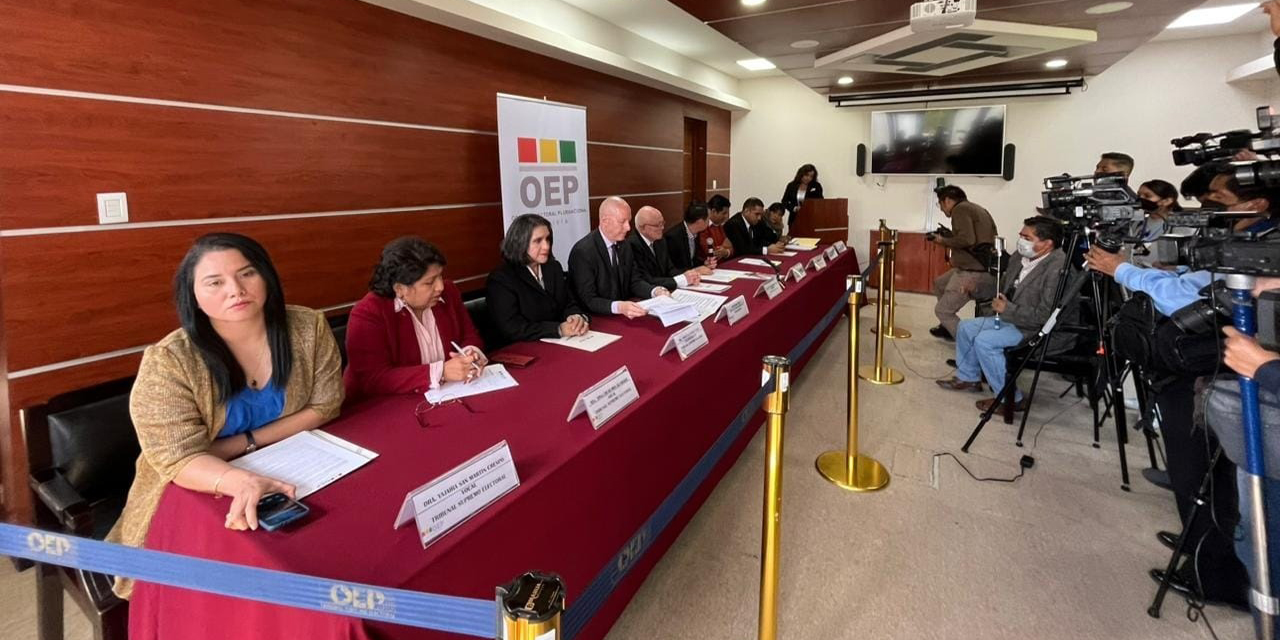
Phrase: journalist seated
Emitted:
{"points": [[1023, 304], [528, 295], [411, 332], [653, 257], [244, 371]]}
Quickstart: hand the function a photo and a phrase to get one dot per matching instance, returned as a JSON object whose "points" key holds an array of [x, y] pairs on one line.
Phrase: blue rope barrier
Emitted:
{"points": [[466, 616]]}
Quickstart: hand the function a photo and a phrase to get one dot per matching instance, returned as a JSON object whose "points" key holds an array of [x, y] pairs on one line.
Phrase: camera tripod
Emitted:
{"points": [[1070, 284]]}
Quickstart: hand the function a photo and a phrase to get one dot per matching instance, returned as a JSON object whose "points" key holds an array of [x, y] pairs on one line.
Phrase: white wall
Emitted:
{"points": [[1161, 91]]}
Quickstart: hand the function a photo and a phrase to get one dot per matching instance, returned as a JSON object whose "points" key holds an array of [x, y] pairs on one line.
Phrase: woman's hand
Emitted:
{"points": [[460, 366], [246, 489]]}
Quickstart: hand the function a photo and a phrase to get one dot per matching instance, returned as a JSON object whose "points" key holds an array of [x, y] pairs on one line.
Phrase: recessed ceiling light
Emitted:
{"points": [[804, 44], [756, 64], [752, 3], [844, 81], [1056, 63], [1108, 7], [1212, 15]]}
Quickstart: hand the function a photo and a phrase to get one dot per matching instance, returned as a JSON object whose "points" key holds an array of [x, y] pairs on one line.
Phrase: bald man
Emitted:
{"points": [[602, 268], [653, 258]]}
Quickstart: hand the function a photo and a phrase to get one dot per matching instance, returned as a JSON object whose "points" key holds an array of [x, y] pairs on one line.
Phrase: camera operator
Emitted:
{"points": [[973, 233], [1245, 356], [1158, 199], [1114, 162]]}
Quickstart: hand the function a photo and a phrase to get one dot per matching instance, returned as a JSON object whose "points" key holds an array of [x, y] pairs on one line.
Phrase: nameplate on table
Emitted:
{"points": [[606, 399], [770, 287], [840, 246], [832, 253], [686, 341], [797, 272], [734, 310], [819, 263], [441, 505]]}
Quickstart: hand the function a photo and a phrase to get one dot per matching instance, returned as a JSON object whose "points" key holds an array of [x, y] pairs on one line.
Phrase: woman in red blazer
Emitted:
{"points": [[400, 336]]}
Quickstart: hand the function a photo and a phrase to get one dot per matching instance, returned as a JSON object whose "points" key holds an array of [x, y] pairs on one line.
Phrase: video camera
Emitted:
{"points": [[1203, 148], [1104, 204]]}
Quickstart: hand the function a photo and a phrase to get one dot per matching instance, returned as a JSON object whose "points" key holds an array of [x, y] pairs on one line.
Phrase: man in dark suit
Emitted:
{"points": [[602, 268], [682, 239], [741, 231], [769, 230], [652, 257]]}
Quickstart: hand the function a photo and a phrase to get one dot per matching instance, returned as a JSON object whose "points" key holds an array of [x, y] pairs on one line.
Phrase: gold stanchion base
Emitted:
{"points": [[868, 474], [868, 373], [896, 333]]}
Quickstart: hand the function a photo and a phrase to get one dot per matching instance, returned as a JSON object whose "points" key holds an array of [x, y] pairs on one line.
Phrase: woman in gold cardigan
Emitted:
{"points": [[244, 371]]}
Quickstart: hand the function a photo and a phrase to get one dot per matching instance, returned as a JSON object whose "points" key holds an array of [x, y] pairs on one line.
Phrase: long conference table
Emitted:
{"points": [[585, 495]]}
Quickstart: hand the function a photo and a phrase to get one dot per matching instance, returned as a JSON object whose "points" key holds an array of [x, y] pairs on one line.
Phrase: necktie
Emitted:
{"points": [[693, 251]]}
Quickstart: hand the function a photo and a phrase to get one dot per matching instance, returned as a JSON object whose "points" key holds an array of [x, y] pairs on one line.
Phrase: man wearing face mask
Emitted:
{"points": [[1024, 304]]}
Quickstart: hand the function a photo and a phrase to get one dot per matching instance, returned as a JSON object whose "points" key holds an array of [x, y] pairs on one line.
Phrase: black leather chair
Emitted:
{"points": [[478, 308], [339, 326], [81, 453]]}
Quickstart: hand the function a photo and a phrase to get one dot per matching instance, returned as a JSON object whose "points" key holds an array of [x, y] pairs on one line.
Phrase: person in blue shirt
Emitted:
{"points": [[1171, 290]]}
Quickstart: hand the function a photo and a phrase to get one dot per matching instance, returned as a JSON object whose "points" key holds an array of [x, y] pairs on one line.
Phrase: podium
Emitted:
{"points": [[920, 262], [825, 219]]}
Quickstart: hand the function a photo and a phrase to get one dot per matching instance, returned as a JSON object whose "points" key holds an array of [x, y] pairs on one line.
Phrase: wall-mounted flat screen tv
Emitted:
{"points": [[958, 141]]}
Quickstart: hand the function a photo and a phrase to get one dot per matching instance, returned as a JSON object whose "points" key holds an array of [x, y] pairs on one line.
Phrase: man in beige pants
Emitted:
{"points": [[968, 278]]}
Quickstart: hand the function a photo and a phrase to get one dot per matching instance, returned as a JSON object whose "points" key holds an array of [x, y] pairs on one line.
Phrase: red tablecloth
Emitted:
{"points": [[583, 493]]}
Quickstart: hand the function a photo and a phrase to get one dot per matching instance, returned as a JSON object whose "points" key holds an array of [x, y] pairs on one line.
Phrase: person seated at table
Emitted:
{"points": [[1023, 305], [652, 257], [682, 239], [741, 231], [712, 243], [411, 332], [528, 295], [602, 269], [769, 230], [244, 371]]}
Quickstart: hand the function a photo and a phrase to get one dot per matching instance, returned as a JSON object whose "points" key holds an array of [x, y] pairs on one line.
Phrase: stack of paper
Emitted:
{"points": [[589, 341], [803, 244], [707, 287], [706, 303], [758, 262], [669, 310], [308, 460], [492, 378], [726, 275]]}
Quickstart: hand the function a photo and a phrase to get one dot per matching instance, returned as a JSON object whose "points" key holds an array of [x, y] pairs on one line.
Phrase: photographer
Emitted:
{"points": [[972, 235], [1114, 162], [1245, 356]]}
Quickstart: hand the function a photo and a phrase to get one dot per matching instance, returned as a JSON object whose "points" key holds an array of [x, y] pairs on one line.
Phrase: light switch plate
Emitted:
{"points": [[112, 208], [713, 184]]}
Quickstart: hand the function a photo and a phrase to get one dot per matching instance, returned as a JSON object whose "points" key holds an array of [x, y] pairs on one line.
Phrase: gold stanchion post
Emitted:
{"points": [[884, 237], [847, 469], [530, 607], [891, 329], [777, 369], [878, 373]]}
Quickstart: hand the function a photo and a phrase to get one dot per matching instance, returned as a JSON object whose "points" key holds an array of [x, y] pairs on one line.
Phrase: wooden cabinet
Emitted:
{"points": [[920, 262]]}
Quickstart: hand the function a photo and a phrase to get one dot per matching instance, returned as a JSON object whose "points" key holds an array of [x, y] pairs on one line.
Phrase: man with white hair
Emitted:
{"points": [[602, 269], [652, 258]]}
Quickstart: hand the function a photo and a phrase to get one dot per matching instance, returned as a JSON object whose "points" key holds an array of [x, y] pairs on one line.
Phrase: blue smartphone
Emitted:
{"points": [[276, 510]]}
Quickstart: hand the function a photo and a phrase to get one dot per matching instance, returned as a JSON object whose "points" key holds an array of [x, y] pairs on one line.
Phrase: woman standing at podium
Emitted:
{"points": [[804, 187]]}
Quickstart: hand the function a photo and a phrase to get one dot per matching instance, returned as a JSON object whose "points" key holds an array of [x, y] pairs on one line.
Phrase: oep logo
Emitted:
{"points": [[551, 172]]}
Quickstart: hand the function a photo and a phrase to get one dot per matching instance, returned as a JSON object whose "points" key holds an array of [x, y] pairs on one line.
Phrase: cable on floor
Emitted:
{"points": [[1021, 471]]}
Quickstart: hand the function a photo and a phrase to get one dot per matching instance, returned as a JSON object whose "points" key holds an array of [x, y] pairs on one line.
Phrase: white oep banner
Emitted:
{"points": [[542, 148]]}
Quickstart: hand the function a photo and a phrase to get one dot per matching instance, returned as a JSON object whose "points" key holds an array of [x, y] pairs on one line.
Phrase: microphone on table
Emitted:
{"points": [[776, 272]]}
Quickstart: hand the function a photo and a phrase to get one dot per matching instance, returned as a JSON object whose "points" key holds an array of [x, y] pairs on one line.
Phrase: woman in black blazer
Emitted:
{"points": [[804, 187], [528, 296]]}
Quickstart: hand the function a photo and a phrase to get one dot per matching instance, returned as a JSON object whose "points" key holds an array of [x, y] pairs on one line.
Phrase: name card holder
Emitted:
{"points": [[797, 272], [840, 246], [686, 341], [770, 287], [819, 263], [443, 504], [607, 398], [832, 253], [734, 310]]}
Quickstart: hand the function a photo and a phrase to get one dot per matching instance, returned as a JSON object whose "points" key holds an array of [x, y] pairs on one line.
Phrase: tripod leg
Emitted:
{"points": [[1010, 384], [1093, 404], [1031, 393], [1122, 435], [1202, 495]]}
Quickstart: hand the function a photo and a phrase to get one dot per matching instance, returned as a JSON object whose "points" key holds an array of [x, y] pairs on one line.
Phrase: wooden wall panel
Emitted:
{"points": [[718, 170], [623, 170]]}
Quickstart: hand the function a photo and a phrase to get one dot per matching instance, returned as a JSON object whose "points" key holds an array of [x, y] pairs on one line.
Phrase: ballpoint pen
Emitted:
{"points": [[462, 352]]}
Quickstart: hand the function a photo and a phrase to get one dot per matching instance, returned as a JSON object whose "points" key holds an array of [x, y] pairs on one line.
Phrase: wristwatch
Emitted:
{"points": [[253, 444]]}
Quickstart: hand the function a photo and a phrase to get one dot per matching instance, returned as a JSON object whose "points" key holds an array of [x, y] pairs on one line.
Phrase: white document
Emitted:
{"points": [[706, 303], [453, 498], [669, 310], [605, 399], [805, 243], [799, 247], [308, 460], [492, 378], [590, 341], [757, 262], [707, 287], [686, 341], [786, 254], [726, 275], [735, 310]]}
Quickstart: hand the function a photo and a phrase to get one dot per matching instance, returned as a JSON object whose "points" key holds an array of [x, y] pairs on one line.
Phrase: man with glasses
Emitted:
{"points": [[652, 258]]}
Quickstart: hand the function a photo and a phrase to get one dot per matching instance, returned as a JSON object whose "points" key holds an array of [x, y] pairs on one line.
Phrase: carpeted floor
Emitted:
{"points": [[1061, 553]]}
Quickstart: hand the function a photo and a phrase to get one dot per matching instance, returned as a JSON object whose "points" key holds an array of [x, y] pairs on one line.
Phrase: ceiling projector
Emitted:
{"points": [[937, 15]]}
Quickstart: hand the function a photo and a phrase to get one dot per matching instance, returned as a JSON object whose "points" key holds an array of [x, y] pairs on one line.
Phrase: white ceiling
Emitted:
{"points": [[1253, 22]]}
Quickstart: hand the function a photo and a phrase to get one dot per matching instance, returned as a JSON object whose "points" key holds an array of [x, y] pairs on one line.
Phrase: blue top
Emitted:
{"points": [[251, 408], [1169, 290]]}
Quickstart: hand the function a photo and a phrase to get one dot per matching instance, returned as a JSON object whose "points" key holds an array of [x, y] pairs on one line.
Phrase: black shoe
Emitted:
{"points": [[951, 362], [1158, 477], [941, 332], [1183, 588], [1168, 539]]}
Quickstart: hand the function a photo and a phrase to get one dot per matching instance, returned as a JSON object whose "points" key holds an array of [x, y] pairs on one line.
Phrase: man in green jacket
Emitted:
{"points": [[968, 279]]}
